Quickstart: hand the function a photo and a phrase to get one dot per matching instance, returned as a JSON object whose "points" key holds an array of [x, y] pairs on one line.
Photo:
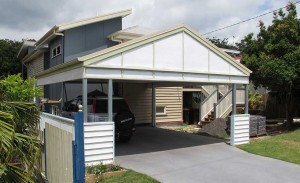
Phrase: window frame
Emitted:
{"points": [[161, 113], [54, 50]]}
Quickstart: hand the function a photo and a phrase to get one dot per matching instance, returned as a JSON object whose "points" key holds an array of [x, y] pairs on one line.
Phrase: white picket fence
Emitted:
{"points": [[99, 142]]}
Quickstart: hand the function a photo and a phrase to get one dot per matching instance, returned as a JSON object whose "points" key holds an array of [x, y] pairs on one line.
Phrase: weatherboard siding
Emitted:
{"points": [[36, 66], [139, 99], [171, 98]]}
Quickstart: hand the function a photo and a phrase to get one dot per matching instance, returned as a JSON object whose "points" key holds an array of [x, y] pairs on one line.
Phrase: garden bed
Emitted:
{"points": [[114, 173], [100, 172]]}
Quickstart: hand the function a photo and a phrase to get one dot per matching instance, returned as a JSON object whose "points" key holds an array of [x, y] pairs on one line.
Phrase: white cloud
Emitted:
{"points": [[31, 19]]}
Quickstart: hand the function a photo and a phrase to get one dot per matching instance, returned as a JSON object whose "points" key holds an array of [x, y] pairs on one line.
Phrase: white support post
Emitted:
{"points": [[153, 105], [233, 99], [84, 100], [200, 106], [110, 100], [246, 99]]}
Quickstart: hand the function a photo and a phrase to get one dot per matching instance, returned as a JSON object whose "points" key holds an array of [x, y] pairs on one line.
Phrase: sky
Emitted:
{"points": [[31, 19]]}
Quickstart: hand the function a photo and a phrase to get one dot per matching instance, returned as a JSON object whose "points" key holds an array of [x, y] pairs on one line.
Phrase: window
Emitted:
{"points": [[161, 110], [56, 51]]}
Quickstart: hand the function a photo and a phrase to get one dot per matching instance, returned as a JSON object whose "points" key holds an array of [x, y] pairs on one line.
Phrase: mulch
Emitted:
{"points": [[215, 128]]}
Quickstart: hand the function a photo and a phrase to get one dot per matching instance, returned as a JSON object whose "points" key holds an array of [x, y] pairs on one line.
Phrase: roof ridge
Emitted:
{"points": [[126, 11]]}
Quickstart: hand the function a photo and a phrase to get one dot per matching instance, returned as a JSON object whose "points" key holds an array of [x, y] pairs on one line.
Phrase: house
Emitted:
{"points": [[152, 70], [65, 42]]}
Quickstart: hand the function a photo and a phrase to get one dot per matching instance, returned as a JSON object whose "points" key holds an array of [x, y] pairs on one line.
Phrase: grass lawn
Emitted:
{"points": [[129, 177], [285, 146]]}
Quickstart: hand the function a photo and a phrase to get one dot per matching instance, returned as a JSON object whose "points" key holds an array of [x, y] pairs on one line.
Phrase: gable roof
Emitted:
{"points": [[112, 51], [25, 45], [57, 29]]}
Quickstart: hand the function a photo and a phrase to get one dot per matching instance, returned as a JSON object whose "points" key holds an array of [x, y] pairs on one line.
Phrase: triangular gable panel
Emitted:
{"points": [[195, 55], [177, 52]]}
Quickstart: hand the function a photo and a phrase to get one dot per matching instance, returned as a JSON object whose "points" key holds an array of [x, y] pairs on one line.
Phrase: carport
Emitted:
{"points": [[177, 56]]}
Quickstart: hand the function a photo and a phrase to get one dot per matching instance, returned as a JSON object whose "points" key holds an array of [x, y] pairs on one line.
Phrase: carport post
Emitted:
{"points": [[246, 99], [84, 100], [110, 102], [153, 105], [233, 99]]}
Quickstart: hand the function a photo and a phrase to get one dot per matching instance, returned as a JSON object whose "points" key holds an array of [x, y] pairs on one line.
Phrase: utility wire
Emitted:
{"points": [[246, 20]]}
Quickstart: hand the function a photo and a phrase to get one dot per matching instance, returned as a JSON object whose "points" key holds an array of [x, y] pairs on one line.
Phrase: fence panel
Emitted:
{"points": [[239, 131], [240, 96], [99, 142], [59, 134]]}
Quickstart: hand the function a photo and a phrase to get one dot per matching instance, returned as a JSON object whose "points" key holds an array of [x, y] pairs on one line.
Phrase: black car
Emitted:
{"points": [[97, 112]]}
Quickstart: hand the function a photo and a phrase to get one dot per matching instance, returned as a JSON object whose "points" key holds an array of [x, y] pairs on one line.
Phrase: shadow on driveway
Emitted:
{"points": [[151, 139]]}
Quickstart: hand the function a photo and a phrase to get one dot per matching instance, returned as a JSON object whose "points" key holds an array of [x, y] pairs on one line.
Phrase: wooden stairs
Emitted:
{"points": [[208, 119]]}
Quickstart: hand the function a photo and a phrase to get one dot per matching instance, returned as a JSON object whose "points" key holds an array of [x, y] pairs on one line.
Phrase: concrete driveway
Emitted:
{"points": [[170, 156]]}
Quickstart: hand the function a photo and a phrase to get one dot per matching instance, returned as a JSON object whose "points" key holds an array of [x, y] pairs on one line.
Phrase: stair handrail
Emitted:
{"points": [[207, 98], [224, 96], [207, 91], [218, 103], [221, 89], [203, 102]]}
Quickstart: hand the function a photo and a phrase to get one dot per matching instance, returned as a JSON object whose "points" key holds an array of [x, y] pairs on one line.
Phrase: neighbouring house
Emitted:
{"points": [[168, 75]]}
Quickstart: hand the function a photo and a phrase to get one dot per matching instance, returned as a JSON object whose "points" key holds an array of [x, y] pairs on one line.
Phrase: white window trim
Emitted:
{"points": [[55, 48], [165, 111]]}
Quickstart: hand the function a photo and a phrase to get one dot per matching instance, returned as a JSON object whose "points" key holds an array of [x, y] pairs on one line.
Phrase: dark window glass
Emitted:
{"points": [[58, 50], [53, 52], [118, 106]]}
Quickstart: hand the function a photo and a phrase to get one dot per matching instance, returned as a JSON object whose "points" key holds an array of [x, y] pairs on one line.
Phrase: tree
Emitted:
{"points": [[274, 58], [222, 43], [19, 118], [9, 63]]}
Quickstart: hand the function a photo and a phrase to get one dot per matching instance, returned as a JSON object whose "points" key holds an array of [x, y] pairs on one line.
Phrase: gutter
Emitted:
{"points": [[48, 35]]}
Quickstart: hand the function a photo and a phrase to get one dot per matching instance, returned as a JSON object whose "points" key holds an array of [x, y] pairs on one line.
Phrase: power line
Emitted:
{"points": [[246, 20]]}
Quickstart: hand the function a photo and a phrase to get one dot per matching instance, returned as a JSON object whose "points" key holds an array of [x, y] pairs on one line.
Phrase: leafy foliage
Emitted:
{"points": [[222, 43], [9, 63], [14, 88], [19, 144], [100, 169], [255, 100], [274, 57]]}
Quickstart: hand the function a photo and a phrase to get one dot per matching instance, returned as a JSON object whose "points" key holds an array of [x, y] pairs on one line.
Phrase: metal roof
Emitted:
{"points": [[130, 33]]}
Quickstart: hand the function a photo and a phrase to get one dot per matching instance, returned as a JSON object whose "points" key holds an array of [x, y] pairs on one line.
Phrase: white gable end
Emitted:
{"points": [[169, 53], [178, 52], [140, 57], [177, 57], [195, 55]]}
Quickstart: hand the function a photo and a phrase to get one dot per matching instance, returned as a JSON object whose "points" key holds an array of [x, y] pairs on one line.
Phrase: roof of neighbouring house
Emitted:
{"points": [[130, 33], [25, 45]]}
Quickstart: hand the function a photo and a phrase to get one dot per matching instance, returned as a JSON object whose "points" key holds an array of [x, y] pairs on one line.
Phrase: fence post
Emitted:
{"points": [[78, 149], [45, 153], [215, 110]]}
